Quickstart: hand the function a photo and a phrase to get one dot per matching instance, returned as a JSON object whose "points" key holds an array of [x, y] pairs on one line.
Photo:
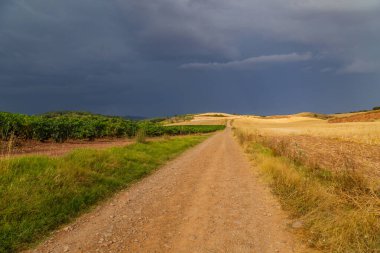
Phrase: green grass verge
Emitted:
{"points": [[39, 193]]}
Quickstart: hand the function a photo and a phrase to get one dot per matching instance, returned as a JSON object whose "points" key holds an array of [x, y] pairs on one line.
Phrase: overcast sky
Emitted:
{"points": [[167, 57]]}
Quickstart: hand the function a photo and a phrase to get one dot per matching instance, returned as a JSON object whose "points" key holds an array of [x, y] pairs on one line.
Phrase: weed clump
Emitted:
{"points": [[141, 136]]}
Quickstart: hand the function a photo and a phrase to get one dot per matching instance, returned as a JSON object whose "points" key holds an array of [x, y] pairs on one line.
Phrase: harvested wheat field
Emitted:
{"points": [[332, 145], [359, 132], [326, 174], [209, 118]]}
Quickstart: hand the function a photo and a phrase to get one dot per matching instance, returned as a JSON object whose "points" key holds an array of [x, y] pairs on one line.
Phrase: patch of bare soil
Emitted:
{"points": [[209, 199], [362, 117], [57, 149], [330, 153]]}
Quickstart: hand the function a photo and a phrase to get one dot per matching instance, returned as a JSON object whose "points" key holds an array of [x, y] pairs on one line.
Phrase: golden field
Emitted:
{"points": [[359, 132], [210, 118], [325, 174], [311, 137]]}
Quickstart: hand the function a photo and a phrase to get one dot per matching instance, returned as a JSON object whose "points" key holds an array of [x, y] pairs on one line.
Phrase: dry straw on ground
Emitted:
{"points": [[340, 208], [359, 132]]}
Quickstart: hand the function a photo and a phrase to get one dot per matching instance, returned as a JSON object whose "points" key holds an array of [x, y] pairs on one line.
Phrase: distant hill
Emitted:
{"points": [[312, 115], [358, 117], [55, 114]]}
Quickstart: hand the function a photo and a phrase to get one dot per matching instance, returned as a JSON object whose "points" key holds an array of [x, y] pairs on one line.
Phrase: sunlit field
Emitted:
{"points": [[360, 132], [210, 118], [325, 174]]}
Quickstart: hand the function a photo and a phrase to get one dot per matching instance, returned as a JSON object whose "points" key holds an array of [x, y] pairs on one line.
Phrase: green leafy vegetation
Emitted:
{"points": [[158, 119], [38, 193], [152, 129], [61, 126], [179, 118], [141, 136]]}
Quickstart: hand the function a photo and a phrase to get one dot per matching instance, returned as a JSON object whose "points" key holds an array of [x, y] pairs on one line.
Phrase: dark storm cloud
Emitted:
{"points": [[171, 30], [122, 56]]}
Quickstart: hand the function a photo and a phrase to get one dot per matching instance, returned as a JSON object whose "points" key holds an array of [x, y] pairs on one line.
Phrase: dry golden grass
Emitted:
{"points": [[360, 132], [340, 209], [209, 118], [215, 114], [201, 121], [334, 146], [325, 174]]}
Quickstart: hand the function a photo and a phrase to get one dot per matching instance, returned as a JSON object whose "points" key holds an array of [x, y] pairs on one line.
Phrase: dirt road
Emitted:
{"points": [[207, 200]]}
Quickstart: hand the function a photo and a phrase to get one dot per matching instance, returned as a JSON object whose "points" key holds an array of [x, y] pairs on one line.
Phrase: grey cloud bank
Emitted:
{"points": [[360, 66], [142, 57], [250, 62]]}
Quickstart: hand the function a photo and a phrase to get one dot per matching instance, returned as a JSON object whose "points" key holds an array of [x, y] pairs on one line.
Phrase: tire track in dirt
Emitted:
{"points": [[207, 200]]}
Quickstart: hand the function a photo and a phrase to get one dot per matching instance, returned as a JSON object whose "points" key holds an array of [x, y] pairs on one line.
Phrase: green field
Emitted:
{"points": [[39, 193]]}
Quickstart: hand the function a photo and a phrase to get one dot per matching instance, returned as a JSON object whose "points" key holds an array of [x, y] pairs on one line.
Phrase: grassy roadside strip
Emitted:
{"points": [[39, 193], [340, 211]]}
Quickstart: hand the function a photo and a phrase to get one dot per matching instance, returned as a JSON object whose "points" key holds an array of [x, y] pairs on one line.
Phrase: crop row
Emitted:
{"points": [[152, 129], [64, 127]]}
